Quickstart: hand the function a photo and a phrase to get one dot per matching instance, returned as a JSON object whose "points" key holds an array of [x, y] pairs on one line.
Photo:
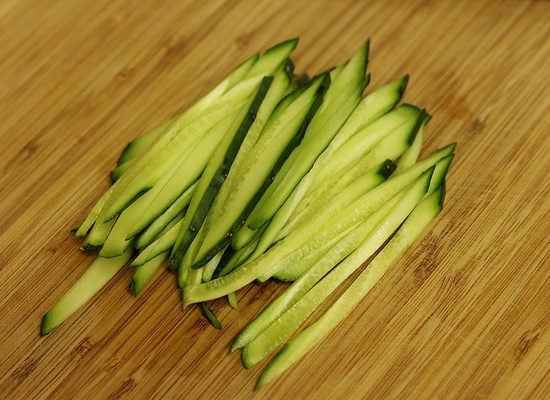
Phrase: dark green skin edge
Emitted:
{"points": [[296, 140], [219, 176], [387, 168], [211, 316]]}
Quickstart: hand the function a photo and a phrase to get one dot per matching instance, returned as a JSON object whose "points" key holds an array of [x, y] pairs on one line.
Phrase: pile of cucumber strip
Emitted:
{"points": [[269, 175]]}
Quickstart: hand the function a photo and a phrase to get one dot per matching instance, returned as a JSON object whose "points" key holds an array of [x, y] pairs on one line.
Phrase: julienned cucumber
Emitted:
{"points": [[269, 175], [214, 174], [96, 276], [246, 184], [314, 232], [361, 243], [422, 215]]}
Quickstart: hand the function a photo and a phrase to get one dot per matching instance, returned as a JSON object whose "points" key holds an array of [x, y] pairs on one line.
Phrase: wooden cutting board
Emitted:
{"points": [[464, 314]]}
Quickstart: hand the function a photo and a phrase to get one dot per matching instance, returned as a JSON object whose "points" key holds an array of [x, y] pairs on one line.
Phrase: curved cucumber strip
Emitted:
{"points": [[145, 272], [246, 184], [213, 177], [419, 219], [98, 274], [343, 95], [322, 227], [160, 223], [285, 325]]}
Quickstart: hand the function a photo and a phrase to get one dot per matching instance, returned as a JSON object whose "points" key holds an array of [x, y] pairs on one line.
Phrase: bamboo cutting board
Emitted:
{"points": [[464, 314]]}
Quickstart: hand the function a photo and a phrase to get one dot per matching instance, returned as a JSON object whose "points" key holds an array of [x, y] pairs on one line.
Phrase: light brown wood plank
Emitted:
{"points": [[464, 314]]}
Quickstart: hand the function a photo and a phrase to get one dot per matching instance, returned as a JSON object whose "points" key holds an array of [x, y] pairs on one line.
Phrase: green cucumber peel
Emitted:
{"points": [[215, 174], [294, 141], [343, 95]]}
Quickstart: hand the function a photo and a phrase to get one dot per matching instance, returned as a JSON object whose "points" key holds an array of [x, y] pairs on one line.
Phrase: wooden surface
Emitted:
{"points": [[465, 314]]}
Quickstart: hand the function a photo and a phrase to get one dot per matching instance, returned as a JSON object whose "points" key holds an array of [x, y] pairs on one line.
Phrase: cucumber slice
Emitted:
{"points": [[98, 274], [145, 272], [213, 177], [321, 228], [355, 249], [245, 185], [339, 102], [419, 219]]}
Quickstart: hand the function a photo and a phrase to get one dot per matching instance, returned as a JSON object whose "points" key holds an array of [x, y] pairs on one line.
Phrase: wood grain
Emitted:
{"points": [[463, 315]]}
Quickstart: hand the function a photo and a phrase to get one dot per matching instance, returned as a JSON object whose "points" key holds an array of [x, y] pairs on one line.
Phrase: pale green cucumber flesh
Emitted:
{"points": [[164, 242], [419, 219], [268, 263], [98, 274], [261, 176], [175, 210], [225, 209], [145, 272], [214, 180], [286, 324], [141, 144], [341, 98]]}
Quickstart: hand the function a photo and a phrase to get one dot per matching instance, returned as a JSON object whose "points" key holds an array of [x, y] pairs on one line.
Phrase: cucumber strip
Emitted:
{"points": [[243, 237], [213, 177], [97, 235], [90, 219], [142, 143], [356, 189], [404, 117], [176, 208], [409, 157], [211, 266], [322, 227], [164, 242], [341, 98], [119, 237], [170, 148], [233, 302], [289, 216], [370, 109], [209, 314], [246, 184], [176, 125], [394, 143], [354, 180], [273, 58], [221, 217], [415, 224], [298, 262], [360, 248], [240, 256], [117, 172], [175, 182], [145, 272], [98, 274]]}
